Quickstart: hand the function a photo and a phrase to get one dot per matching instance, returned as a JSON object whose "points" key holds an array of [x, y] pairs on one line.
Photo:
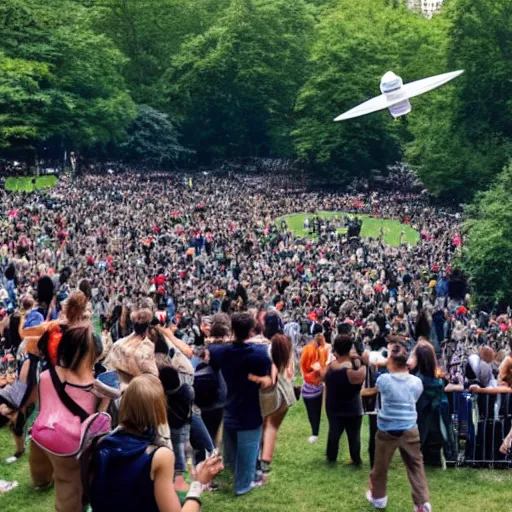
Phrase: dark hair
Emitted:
{"points": [[85, 288], [141, 329], [76, 343], [399, 351], [343, 343], [242, 325], [45, 290], [221, 325], [273, 325], [281, 351], [422, 327], [65, 274], [344, 328], [426, 357]]}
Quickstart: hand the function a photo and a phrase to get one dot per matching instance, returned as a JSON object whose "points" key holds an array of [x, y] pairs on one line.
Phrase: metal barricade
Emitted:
{"points": [[481, 420]]}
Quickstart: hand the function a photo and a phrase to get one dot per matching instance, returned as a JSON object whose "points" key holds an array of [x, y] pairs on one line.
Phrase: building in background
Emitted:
{"points": [[427, 7]]}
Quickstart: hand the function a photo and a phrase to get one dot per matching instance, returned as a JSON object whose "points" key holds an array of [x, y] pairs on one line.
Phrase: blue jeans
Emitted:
{"points": [[179, 440], [241, 449], [200, 438]]}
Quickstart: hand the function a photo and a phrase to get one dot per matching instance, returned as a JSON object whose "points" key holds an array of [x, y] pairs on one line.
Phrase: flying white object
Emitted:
{"points": [[395, 95]]}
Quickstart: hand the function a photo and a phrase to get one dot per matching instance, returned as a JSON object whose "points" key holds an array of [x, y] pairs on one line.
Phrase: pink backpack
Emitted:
{"points": [[66, 429]]}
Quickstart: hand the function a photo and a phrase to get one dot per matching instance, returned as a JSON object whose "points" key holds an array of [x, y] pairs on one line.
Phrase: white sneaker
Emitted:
{"points": [[312, 439], [426, 507], [379, 503]]}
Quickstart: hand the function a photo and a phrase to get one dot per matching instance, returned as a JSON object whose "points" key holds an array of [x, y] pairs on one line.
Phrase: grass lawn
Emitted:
{"points": [[371, 226], [26, 184], [301, 481]]}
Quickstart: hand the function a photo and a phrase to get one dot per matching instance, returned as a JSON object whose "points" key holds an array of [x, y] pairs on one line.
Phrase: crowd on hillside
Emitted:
{"points": [[166, 308]]}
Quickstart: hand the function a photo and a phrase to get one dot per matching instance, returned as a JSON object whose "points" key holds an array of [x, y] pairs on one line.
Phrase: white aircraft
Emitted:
{"points": [[395, 95]]}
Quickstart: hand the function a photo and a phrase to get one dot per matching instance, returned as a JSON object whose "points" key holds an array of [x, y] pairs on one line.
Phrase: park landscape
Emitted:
{"points": [[186, 110]]}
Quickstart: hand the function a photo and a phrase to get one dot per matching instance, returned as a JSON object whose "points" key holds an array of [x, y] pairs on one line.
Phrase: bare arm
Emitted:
{"points": [[187, 350], [357, 377], [490, 391], [162, 473], [162, 469]]}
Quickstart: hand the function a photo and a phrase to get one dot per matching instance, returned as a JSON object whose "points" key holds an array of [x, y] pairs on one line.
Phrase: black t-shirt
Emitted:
{"points": [[342, 397]]}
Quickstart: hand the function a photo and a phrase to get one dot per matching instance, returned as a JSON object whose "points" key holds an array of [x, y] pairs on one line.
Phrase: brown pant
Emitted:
{"points": [[46, 467], [409, 445]]}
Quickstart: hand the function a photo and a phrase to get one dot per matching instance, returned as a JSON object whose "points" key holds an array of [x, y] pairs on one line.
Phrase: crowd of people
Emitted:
{"points": [[151, 320]]}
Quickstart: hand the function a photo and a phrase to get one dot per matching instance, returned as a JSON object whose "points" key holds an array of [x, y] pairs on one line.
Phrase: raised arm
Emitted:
{"points": [[167, 333]]}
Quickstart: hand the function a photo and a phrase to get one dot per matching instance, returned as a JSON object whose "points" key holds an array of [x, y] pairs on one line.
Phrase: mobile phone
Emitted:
{"points": [[214, 453], [110, 379]]}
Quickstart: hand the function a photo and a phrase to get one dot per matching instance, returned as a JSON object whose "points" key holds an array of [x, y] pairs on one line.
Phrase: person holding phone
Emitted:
{"points": [[133, 468]]}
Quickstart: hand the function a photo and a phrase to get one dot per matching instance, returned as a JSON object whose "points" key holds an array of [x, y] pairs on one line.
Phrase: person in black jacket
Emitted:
{"points": [[180, 397]]}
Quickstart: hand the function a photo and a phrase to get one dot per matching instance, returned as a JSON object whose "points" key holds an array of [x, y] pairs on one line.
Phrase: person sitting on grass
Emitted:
{"points": [[397, 428]]}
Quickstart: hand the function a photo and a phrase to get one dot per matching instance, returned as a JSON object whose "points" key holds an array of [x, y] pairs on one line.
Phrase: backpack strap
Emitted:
{"points": [[70, 404]]}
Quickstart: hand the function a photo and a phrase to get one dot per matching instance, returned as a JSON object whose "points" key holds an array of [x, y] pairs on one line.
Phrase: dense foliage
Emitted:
{"points": [[152, 139], [463, 137], [58, 78], [489, 249], [259, 78]]}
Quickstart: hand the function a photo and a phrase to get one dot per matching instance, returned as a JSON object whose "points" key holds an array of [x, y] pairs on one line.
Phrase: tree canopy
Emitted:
{"points": [[152, 139], [58, 78], [262, 78], [462, 139], [489, 241]]}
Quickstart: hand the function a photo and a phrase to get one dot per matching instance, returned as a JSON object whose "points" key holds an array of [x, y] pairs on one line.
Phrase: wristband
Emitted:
{"points": [[195, 491]]}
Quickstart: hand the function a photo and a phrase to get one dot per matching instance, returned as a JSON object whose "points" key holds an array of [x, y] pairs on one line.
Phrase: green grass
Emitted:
{"points": [[301, 481], [371, 226], [24, 184]]}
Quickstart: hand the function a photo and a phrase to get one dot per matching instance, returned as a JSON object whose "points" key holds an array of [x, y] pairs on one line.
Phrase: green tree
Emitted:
{"points": [[61, 80], [462, 138], [356, 42], [150, 33], [234, 86], [152, 139], [488, 250], [21, 100]]}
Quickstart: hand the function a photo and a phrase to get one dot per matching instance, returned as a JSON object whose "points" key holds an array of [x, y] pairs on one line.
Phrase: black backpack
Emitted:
{"points": [[206, 386]]}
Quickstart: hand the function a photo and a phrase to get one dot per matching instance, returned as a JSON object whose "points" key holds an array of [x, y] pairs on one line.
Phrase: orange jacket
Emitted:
{"points": [[311, 355]]}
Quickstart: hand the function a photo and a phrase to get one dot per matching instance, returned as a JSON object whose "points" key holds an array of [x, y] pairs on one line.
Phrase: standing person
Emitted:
{"points": [[242, 414], [343, 381], [434, 422], [313, 360], [53, 435], [134, 355], [282, 375], [397, 428], [209, 385]]}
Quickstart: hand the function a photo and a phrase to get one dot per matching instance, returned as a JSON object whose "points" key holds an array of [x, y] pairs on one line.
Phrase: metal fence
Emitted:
{"points": [[480, 422]]}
